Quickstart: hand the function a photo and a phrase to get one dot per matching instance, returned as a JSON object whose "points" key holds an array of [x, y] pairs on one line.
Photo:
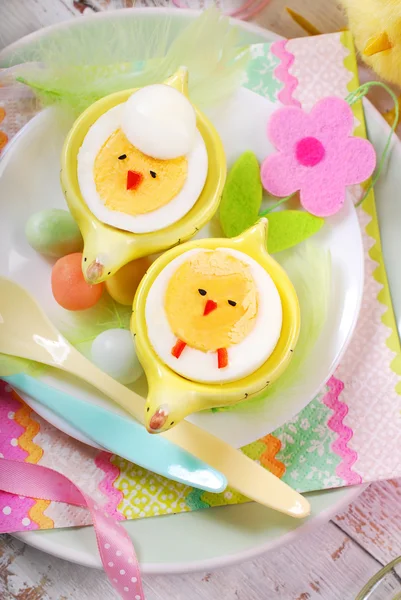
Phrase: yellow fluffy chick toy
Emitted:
{"points": [[376, 27]]}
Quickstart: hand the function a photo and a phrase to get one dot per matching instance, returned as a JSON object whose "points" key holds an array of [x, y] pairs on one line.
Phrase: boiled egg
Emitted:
{"points": [[143, 164], [213, 315]]}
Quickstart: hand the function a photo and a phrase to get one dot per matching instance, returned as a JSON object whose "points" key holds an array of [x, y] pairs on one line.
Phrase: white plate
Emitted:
{"points": [[204, 540], [39, 188], [214, 538]]}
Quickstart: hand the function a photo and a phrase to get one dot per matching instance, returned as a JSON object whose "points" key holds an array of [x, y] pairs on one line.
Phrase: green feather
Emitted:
{"points": [[74, 70], [309, 268], [242, 196], [290, 227], [80, 328]]}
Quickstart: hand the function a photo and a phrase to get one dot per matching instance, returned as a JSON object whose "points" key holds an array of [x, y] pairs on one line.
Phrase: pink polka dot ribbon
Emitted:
{"points": [[115, 547]]}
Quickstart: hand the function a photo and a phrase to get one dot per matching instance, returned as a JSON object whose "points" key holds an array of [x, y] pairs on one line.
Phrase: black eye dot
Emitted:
{"points": [[109, 273], [232, 303], [85, 259], [122, 156], [172, 423], [153, 174], [202, 292], [147, 410]]}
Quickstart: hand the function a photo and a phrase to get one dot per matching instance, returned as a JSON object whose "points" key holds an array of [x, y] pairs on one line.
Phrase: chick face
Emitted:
{"points": [[141, 167], [213, 315], [133, 183], [211, 301]]}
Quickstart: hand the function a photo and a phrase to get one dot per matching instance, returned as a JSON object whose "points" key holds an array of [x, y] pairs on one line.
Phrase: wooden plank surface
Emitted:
{"points": [[374, 520], [326, 564], [331, 563], [21, 17]]}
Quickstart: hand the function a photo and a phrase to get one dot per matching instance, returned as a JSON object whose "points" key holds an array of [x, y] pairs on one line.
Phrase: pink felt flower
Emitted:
{"points": [[317, 155]]}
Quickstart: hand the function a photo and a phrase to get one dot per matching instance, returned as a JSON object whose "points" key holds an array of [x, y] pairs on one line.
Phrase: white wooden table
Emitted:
{"points": [[333, 562]]}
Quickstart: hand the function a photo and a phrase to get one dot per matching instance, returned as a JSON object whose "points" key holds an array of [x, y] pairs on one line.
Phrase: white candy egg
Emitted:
{"points": [[114, 352], [160, 122]]}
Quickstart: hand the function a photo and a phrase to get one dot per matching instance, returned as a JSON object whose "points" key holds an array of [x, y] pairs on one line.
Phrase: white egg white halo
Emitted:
{"points": [[243, 358], [159, 121], [158, 219]]}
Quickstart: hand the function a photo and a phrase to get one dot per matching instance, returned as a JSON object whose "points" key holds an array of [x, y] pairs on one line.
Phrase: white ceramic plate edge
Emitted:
{"points": [[93, 560], [265, 34]]}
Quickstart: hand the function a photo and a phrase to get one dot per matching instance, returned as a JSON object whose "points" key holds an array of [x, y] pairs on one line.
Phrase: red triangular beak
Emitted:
{"points": [[209, 307], [134, 179]]}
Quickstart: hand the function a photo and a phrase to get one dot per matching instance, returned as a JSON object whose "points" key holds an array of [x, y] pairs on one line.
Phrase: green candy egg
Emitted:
{"points": [[53, 232]]}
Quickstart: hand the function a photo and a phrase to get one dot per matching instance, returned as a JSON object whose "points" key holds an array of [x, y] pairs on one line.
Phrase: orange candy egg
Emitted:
{"points": [[69, 287]]}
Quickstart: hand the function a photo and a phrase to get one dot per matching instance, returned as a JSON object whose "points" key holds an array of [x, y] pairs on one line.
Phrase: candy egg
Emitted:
{"points": [[69, 287], [53, 232], [114, 352], [123, 285]]}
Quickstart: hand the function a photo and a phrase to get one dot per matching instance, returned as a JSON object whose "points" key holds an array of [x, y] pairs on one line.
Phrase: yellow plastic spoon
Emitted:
{"points": [[26, 332]]}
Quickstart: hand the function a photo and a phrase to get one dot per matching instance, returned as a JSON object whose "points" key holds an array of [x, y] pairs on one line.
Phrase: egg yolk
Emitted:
{"points": [[154, 183], [211, 301]]}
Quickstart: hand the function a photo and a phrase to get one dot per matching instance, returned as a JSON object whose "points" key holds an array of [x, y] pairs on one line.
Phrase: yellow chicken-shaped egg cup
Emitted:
{"points": [[134, 185], [215, 322]]}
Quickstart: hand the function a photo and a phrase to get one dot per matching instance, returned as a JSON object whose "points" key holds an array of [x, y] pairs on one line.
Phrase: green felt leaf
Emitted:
{"points": [[242, 196], [82, 327], [290, 227]]}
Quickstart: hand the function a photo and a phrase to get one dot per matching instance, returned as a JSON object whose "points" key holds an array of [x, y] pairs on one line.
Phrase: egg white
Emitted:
{"points": [[160, 218], [160, 121], [243, 358]]}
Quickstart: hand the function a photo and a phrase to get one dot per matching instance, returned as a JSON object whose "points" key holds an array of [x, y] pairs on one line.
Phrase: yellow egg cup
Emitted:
{"points": [[107, 249], [180, 396]]}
